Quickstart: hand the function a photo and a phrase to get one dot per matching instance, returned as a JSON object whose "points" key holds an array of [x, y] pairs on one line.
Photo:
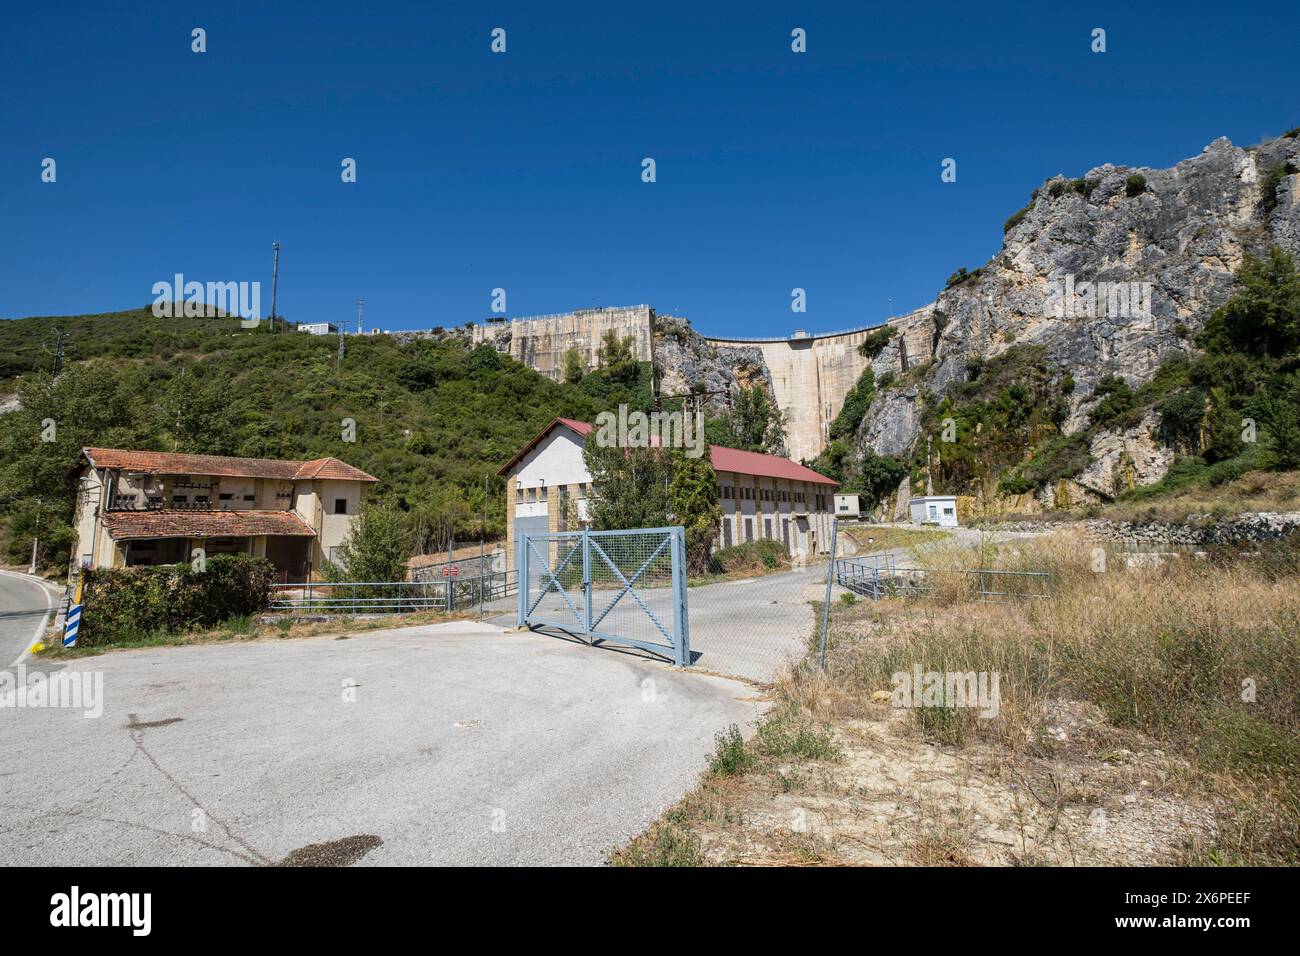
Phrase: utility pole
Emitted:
{"points": [[342, 326], [59, 338], [36, 537], [361, 309], [275, 280]]}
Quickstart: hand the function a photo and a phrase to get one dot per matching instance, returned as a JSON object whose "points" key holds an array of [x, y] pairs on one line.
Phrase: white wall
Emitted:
{"points": [[557, 460]]}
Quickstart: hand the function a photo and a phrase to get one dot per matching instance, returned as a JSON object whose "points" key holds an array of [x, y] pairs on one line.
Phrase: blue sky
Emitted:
{"points": [[522, 170]]}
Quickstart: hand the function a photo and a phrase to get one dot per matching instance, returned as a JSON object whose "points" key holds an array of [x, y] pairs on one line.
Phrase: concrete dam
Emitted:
{"points": [[810, 372]]}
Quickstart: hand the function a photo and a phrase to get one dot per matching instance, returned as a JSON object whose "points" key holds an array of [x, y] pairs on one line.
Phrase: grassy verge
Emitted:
{"points": [[243, 629], [885, 538]]}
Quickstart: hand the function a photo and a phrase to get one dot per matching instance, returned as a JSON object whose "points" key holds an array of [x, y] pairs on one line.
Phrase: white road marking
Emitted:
{"points": [[40, 627]]}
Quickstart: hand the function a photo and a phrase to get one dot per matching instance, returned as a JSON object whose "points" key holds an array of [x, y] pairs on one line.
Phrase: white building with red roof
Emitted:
{"points": [[762, 496], [149, 507]]}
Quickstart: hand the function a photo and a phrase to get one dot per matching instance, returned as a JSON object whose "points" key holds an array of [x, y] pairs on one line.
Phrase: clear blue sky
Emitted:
{"points": [[522, 170]]}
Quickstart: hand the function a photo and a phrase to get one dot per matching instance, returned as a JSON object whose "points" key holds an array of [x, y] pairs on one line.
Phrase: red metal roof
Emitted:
{"points": [[172, 463], [723, 459], [133, 525]]}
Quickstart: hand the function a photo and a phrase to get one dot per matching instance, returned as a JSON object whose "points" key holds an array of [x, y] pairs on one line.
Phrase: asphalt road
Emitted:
{"points": [[458, 744], [24, 604]]}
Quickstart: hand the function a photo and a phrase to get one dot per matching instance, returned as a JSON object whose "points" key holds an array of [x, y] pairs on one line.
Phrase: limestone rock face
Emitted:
{"points": [[686, 361], [1127, 459], [1165, 242]]}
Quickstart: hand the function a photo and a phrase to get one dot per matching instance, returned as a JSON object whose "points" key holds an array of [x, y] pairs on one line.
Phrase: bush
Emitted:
{"points": [[1135, 185], [766, 554], [730, 758], [171, 598]]}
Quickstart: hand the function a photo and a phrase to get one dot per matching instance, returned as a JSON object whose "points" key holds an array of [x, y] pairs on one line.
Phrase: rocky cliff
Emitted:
{"points": [[1111, 273]]}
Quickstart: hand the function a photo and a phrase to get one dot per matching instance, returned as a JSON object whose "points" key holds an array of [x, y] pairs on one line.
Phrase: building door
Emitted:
{"points": [[785, 533], [726, 531]]}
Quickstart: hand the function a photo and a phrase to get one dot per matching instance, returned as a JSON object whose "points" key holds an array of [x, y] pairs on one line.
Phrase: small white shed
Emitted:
{"points": [[934, 509], [847, 506]]}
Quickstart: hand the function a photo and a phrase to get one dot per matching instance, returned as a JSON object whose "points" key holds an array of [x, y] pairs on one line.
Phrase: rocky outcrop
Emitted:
{"points": [[1124, 460], [687, 362], [1164, 242]]}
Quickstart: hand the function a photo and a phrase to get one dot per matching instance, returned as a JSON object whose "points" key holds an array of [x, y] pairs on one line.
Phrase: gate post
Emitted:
{"points": [[826, 605], [586, 583], [681, 614], [521, 577]]}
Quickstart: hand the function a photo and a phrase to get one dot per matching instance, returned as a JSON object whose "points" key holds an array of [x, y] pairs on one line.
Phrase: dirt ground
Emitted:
{"points": [[1095, 796]]}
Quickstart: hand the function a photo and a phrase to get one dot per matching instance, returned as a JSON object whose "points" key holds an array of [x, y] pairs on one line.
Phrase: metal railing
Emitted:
{"points": [[883, 579], [392, 597]]}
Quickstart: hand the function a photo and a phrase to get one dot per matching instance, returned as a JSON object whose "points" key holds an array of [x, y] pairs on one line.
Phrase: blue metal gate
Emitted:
{"points": [[621, 587]]}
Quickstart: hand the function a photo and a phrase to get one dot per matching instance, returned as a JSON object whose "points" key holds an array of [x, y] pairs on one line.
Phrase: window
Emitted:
{"points": [[726, 532], [947, 511], [340, 506], [749, 529], [531, 494], [225, 496], [519, 495], [250, 497], [541, 494], [767, 527], [180, 499]]}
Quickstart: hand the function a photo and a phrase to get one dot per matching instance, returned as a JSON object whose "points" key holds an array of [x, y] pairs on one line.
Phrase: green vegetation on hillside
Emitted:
{"points": [[434, 420]]}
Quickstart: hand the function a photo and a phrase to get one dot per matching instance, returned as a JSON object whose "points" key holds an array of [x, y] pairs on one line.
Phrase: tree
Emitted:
{"points": [[616, 358], [754, 423], [856, 403], [376, 548], [880, 475], [197, 412], [1181, 416], [629, 486], [574, 368], [1263, 316], [693, 503]]}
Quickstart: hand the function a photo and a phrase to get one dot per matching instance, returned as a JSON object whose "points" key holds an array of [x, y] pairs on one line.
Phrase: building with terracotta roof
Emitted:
{"points": [[150, 507], [762, 496]]}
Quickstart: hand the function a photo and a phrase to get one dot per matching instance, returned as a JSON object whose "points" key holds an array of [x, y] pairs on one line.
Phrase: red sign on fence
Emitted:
{"points": [[450, 571]]}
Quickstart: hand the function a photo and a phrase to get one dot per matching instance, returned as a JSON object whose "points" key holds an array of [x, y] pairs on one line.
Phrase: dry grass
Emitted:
{"points": [[1144, 714], [1253, 491]]}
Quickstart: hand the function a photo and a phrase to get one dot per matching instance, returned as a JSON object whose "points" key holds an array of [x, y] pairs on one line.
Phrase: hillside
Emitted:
{"points": [[1058, 391], [434, 419]]}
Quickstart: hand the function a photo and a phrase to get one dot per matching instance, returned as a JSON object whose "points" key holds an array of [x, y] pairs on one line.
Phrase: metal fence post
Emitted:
{"points": [[826, 605], [681, 612], [521, 575], [586, 582]]}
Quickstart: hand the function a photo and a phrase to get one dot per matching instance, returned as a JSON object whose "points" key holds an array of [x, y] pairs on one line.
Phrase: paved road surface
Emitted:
{"points": [[24, 604], [465, 744]]}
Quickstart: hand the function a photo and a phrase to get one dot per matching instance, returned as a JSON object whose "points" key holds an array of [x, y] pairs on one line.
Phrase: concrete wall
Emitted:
{"points": [[812, 374], [541, 342]]}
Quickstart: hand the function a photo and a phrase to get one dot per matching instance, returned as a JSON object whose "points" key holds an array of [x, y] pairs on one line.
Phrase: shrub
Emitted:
{"points": [[171, 598], [730, 758], [1135, 185], [766, 554], [1015, 219]]}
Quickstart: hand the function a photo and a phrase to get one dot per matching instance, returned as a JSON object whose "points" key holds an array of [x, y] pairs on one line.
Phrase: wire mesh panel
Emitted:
{"points": [[622, 587], [754, 605]]}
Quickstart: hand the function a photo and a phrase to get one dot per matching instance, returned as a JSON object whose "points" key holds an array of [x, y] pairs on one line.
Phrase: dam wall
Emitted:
{"points": [[812, 373], [541, 342]]}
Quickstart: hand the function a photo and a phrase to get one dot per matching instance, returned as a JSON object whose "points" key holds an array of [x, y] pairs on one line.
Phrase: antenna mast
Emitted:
{"points": [[275, 281]]}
